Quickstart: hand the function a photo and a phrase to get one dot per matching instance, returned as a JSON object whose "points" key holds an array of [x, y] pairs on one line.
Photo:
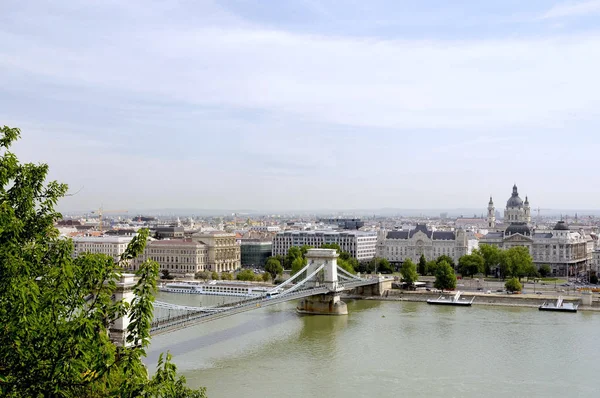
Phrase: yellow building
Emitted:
{"points": [[223, 250]]}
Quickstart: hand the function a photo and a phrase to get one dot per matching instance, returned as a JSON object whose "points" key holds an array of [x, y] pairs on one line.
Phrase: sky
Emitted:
{"points": [[306, 104]]}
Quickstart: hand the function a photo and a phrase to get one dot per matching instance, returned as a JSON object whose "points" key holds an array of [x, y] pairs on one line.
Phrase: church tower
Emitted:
{"points": [[491, 216], [527, 209]]}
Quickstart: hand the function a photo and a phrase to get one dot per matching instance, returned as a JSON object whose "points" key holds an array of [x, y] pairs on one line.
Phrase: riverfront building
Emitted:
{"points": [[564, 250], [396, 246], [178, 256], [255, 252], [360, 244], [223, 251], [113, 246]]}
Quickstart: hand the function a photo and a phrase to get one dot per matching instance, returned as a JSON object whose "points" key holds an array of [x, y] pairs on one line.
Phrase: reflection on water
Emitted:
{"points": [[384, 348]]}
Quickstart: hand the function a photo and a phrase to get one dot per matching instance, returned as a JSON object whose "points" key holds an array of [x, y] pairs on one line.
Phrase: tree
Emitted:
{"points": [[332, 246], [530, 271], [166, 274], [513, 285], [226, 276], [273, 267], [409, 272], [346, 265], [214, 276], [304, 249], [447, 259], [470, 264], [55, 310], [384, 266], [515, 262], [266, 277], [431, 267], [491, 257], [245, 275], [445, 279], [377, 264], [298, 264], [292, 254], [202, 275], [545, 270], [422, 267]]}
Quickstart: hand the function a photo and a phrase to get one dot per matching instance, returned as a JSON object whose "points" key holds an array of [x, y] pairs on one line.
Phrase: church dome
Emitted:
{"points": [[518, 228], [514, 200], [561, 226]]}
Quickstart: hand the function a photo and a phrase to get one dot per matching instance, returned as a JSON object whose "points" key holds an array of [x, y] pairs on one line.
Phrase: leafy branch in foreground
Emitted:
{"points": [[56, 310]]}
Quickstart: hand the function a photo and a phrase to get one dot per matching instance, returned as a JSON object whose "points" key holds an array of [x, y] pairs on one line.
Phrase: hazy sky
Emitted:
{"points": [[306, 104]]}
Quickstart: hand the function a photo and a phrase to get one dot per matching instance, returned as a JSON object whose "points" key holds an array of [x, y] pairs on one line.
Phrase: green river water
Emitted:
{"points": [[388, 349]]}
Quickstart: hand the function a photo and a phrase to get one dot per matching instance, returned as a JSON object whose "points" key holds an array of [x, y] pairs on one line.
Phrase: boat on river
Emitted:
{"points": [[559, 306], [213, 288], [455, 300]]}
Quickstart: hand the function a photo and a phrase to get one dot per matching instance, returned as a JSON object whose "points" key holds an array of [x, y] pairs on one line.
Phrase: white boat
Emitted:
{"points": [[560, 305], [215, 289], [451, 300]]}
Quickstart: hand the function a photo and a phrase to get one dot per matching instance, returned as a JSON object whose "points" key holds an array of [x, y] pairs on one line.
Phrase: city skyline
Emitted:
{"points": [[306, 105]]}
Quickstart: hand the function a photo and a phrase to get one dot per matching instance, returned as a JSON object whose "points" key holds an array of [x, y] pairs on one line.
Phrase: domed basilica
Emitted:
{"points": [[564, 250]]}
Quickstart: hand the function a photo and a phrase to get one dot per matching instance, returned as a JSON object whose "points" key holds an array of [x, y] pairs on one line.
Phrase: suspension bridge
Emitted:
{"points": [[318, 287]]}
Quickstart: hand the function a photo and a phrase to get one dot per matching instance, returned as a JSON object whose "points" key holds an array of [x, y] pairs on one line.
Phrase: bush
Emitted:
{"points": [[513, 285], [202, 275], [245, 275]]}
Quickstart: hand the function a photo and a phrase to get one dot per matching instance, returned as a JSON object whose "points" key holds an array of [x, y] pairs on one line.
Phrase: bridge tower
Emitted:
{"points": [[328, 303], [124, 291]]}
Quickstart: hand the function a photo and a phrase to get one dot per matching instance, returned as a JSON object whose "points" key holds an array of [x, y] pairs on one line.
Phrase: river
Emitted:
{"points": [[387, 349]]}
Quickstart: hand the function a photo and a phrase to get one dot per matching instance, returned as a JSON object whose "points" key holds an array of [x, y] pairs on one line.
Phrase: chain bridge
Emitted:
{"points": [[318, 286]]}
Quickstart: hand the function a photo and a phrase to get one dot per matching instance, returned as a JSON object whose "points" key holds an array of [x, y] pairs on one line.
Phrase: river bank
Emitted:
{"points": [[505, 300]]}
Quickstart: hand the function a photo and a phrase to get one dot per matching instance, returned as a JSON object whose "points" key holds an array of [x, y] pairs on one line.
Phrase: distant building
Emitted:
{"points": [[344, 223], [169, 232], [595, 263], [255, 252], [223, 251], [566, 252], [113, 246], [397, 246], [361, 245], [178, 256], [265, 228]]}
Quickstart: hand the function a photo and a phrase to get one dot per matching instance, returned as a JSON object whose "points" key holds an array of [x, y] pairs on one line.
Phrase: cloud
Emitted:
{"points": [[573, 9]]}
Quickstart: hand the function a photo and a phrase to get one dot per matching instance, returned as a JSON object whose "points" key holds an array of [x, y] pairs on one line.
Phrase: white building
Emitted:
{"points": [[114, 246], [396, 246], [178, 256], [265, 228], [360, 244]]}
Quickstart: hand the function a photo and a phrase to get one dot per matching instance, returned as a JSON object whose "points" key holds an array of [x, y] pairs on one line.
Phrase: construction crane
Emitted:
{"points": [[101, 211]]}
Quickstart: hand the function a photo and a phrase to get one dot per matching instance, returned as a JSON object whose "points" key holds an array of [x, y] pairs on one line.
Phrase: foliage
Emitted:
{"points": [[383, 265], [265, 277], [445, 279], [431, 267], [226, 276], [292, 254], [346, 265], [545, 270], [245, 275], [202, 275], [446, 258], [492, 256], [515, 262], [298, 264], [304, 249], [214, 276], [530, 271], [273, 267], [422, 268], [409, 272], [332, 246], [513, 285], [470, 264], [55, 310], [365, 267], [166, 274]]}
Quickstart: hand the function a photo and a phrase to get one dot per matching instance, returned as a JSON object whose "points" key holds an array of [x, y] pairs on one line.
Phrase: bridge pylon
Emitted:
{"points": [[328, 303]]}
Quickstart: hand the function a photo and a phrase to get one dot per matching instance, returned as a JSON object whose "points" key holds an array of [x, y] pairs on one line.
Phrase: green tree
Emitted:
{"points": [[292, 254], [545, 270], [226, 276], [422, 268], [530, 271], [431, 267], [214, 276], [445, 279], [470, 264], [447, 259], [346, 265], [202, 275], [384, 266], [166, 274], [409, 272], [298, 264], [492, 256], [304, 249], [273, 267], [266, 277], [332, 246], [245, 275], [55, 310], [513, 285], [515, 262]]}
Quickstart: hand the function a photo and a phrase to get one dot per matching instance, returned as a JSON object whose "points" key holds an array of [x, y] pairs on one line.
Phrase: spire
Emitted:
{"points": [[491, 201], [526, 200], [515, 190]]}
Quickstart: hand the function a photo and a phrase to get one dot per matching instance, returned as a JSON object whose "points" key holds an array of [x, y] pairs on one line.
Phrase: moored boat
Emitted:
{"points": [[454, 300], [215, 289], [559, 306]]}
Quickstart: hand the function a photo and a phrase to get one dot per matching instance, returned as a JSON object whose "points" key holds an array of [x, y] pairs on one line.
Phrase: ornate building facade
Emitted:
{"points": [[396, 246], [564, 250]]}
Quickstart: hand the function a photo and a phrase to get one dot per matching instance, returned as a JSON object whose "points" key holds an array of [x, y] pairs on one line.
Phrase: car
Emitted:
{"points": [[488, 292], [480, 289], [538, 292]]}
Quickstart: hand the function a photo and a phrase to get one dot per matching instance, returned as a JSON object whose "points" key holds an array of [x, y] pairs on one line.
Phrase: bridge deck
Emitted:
{"points": [[197, 315]]}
